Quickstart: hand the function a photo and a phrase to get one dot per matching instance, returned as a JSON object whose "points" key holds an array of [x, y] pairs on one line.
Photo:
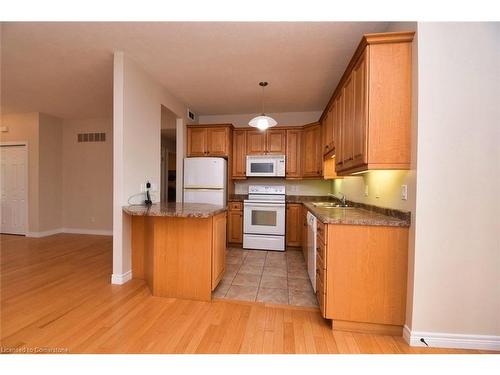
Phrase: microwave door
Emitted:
{"points": [[264, 168]]}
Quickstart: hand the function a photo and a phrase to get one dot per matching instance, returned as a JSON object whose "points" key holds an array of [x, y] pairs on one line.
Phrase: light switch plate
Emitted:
{"points": [[404, 192], [366, 190]]}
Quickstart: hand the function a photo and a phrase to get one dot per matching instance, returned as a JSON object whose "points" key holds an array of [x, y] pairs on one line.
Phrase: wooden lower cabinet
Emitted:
{"points": [[218, 249], [235, 223], [293, 225], [361, 277], [175, 260]]}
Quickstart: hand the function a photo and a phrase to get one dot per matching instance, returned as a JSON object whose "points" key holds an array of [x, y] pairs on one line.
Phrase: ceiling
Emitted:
{"points": [[66, 69]]}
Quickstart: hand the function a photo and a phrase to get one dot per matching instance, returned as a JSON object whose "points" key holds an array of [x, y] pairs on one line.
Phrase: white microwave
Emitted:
{"points": [[266, 166]]}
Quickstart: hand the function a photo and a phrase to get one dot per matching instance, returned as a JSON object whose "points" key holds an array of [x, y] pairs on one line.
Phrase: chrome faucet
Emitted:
{"points": [[342, 200]]}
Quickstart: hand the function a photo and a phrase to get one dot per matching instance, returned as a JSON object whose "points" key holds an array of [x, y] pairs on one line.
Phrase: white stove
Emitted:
{"points": [[264, 218]]}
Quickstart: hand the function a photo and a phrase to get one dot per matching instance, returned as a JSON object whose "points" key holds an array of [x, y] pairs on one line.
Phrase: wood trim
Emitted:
{"points": [[362, 327], [210, 125], [366, 40], [372, 166]]}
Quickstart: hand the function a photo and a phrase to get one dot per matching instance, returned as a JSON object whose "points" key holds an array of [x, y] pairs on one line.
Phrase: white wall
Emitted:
{"points": [[87, 198], [283, 118], [457, 238], [137, 101]]}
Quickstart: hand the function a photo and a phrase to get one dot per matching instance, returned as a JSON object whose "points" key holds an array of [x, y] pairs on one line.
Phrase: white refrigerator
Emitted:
{"points": [[205, 180]]}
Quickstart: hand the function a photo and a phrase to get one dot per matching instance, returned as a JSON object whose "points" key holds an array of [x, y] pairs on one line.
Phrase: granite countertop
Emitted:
{"points": [[194, 210], [356, 216]]}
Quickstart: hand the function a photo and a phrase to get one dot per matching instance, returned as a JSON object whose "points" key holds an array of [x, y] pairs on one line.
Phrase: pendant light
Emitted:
{"points": [[262, 122]]}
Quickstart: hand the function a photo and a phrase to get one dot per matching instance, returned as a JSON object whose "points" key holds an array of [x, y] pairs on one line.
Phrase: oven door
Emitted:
{"points": [[264, 218], [261, 167]]}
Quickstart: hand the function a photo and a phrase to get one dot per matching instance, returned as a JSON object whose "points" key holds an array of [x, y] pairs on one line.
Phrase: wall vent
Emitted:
{"points": [[190, 114], [91, 137]]}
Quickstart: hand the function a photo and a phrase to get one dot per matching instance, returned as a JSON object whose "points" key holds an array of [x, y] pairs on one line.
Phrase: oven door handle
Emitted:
{"points": [[263, 203]]}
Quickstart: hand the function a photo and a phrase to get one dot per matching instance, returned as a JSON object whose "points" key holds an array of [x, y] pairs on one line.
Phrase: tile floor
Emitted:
{"points": [[266, 276]]}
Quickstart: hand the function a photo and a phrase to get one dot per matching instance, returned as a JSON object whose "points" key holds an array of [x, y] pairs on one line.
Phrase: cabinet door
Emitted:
{"points": [[276, 142], [239, 153], [331, 128], [196, 141], [313, 157], [360, 123], [218, 141], [256, 142], [293, 153], [327, 131], [317, 151], [218, 248], [348, 126], [293, 227], [235, 226], [339, 131], [324, 131]]}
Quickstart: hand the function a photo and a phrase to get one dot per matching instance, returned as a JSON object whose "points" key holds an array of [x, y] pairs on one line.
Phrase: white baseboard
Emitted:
{"points": [[44, 233], [121, 279], [451, 340], [97, 232]]}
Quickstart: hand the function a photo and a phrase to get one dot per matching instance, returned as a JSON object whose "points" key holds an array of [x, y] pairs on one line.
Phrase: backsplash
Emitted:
{"points": [[293, 187], [378, 188]]}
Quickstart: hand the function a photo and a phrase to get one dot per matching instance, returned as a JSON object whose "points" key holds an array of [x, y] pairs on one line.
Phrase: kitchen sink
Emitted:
{"points": [[330, 205]]}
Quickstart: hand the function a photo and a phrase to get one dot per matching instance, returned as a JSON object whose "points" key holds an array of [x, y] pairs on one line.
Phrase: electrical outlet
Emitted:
{"points": [[404, 192], [366, 190]]}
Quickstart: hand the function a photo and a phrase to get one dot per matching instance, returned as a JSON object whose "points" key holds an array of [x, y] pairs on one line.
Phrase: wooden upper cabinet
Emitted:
{"points": [[218, 141], [293, 153], [312, 154], [276, 141], [239, 153], [266, 142], [347, 124], [196, 141], [372, 125], [210, 140], [256, 142], [327, 131]]}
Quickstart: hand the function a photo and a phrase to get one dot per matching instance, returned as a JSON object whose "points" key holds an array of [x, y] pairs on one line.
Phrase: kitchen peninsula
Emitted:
{"points": [[178, 249]]}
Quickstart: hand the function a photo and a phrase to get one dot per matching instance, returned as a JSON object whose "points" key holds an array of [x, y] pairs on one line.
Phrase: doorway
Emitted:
{"points": [[168, 155], [14, 189]]}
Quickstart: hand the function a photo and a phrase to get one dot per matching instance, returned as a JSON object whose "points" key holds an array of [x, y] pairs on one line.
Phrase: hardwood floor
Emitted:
{"points": [[56, 293]]}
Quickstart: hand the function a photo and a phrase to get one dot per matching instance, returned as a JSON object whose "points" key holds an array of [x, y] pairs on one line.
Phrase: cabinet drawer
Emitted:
{"points": [[321, 228], [235, 206], [321, 250]]}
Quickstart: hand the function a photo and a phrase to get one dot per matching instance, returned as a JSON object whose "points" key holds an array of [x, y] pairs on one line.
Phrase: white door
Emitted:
{"points": [[205, 173], [13, 189]]}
